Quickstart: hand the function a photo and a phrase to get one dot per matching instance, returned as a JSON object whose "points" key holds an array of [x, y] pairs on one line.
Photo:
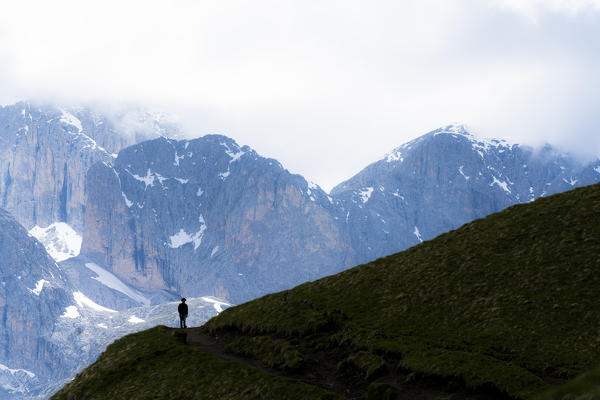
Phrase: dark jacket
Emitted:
{"points": [[182, 309]]}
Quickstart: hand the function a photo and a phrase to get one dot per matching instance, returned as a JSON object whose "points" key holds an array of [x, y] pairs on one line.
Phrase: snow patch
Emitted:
{"points": [[597, 169], [501, 184], [102, 325], [82, 300], [235, 155], [38, 287], [71, 312], [60, 240], [397, 194], [199, 192], [460, 169], [182, 238], [135, 320], [70, 119], [418, 234], [394, 155], [217, 304], [160, 178], [571, 181], [224, 175], [148, 179], [178, 158], [181, 180], [312, 186], [128, 202], [111, 281], [454, 128], [15, 380], [214, 251], [365, 194], [16, 371]]}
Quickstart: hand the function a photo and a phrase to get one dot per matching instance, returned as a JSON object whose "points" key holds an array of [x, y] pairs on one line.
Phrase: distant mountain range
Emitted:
{"points": [[208, 216], [444, 179], [158, 217]]}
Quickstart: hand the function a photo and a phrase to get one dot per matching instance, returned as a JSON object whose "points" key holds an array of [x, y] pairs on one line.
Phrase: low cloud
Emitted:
{"points": [[325, 87]]}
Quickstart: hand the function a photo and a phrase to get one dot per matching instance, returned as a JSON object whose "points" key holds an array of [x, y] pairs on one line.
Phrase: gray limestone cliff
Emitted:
{"points": [[33, 295], [206, 217], [45, 152]]}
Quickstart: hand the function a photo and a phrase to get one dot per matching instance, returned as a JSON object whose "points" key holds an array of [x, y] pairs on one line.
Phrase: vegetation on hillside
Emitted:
{"points": [[506, 306], [507, 302], [153, 364]]}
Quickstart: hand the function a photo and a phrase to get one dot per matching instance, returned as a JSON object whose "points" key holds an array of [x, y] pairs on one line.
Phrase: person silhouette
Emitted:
{"points": [[183, 313]]}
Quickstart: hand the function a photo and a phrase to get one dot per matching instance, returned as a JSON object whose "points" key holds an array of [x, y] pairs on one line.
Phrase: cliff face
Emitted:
{"points": [[43, 158], [33, 295], [46, 151], [208, 217], [444, 179]]}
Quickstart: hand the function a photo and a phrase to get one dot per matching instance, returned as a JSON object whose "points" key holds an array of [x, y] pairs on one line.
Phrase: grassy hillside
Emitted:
{"points": [[504, 306], [153, 364], [509, 301]]}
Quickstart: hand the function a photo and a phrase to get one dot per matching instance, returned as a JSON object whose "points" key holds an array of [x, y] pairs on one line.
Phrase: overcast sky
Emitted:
{"points": [[326, 87]]}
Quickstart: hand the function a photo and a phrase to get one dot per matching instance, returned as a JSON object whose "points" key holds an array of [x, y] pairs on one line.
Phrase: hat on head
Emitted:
{"points": [[183, 299]]}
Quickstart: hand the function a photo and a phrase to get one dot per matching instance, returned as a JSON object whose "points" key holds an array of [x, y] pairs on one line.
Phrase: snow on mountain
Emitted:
{"points": [[15, 381], [207, 216], [110, 280], [60, 240], [444, 179], [46, 151]]}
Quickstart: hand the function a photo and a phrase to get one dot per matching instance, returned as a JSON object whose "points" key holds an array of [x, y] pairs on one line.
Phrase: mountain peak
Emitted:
{"points": [[453, 128]]}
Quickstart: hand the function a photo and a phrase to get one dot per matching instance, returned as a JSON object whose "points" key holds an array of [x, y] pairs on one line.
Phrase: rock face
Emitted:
{"points": [[444, 179], [208, 217], [33, 296], [46, 151]]}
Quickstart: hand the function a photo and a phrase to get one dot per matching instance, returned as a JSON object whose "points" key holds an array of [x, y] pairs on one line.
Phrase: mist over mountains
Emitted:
{"points": [[160, 218]]}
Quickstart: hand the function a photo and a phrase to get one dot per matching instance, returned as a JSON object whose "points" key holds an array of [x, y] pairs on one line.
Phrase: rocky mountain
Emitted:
{"points": [[33, 295], [206, 216], [45, 152], [444, 179]]}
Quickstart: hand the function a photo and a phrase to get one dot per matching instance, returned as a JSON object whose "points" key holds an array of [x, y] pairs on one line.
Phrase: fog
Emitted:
{"points": [[324, 87]]}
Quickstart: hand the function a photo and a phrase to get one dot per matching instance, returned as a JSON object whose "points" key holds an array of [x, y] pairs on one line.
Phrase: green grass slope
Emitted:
{"points": [[153, 364], [506, 306], [508, 302]]}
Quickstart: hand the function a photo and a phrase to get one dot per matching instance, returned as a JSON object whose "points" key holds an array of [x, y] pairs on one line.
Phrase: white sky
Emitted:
{"points": [[326, 87]]}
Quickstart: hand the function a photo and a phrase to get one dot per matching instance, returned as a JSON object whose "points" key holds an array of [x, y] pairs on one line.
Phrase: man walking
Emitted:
{"points": [[183, 313]]}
